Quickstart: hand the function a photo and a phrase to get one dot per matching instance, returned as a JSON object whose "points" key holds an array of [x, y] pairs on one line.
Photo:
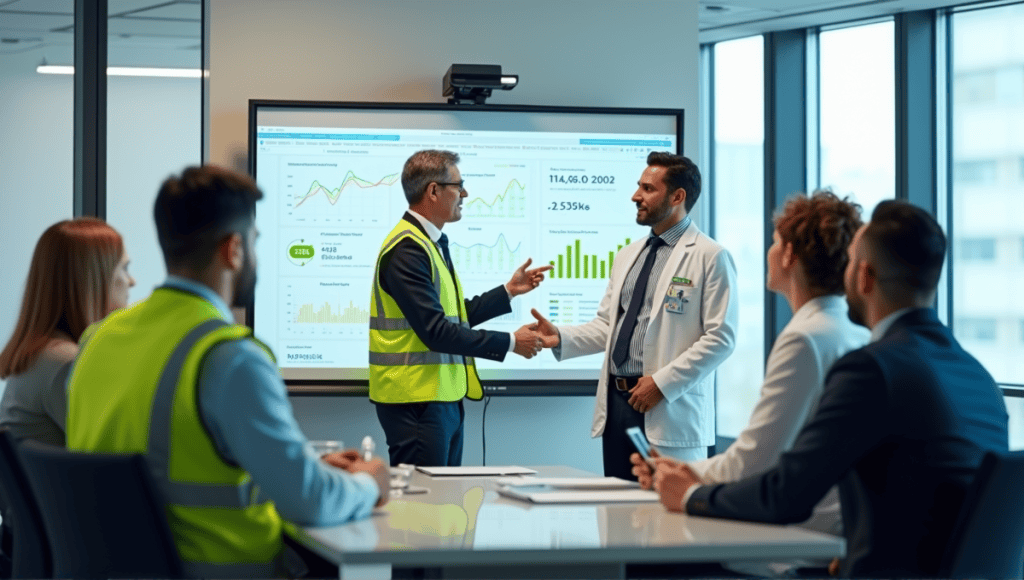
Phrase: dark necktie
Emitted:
{"points": [[443, 242], [621, 349]]}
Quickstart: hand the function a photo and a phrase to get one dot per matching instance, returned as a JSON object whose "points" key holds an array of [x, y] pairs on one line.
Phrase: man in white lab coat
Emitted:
{"points": [[667, 320]]}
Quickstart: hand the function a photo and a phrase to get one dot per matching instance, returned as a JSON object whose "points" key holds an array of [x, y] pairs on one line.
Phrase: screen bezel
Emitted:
{"points": [[501, 387]]}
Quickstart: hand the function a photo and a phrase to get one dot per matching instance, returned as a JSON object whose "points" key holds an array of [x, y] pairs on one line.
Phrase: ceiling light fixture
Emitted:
{"points": [[126, 71]]}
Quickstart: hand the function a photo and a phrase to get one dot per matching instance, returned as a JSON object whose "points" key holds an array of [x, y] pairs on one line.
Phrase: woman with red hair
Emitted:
{"points": [[79, 274]]}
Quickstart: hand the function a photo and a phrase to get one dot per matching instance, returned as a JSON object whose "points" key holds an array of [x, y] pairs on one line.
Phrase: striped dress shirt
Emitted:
{"points": [[633, 366]]}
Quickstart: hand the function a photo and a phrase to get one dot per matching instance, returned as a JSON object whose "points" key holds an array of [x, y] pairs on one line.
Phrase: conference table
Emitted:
{"points": [[462, 528]]}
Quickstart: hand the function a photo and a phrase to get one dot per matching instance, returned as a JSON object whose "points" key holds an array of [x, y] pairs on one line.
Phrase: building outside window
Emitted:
{"points": [[740, 217], [858, 112]]}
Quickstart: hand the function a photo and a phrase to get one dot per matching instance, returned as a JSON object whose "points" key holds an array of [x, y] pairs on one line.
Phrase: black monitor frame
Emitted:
{"points": [[358, 387]]}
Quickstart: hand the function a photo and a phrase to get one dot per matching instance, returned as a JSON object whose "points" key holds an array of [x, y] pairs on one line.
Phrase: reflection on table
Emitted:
{"points": [[462, 521]]}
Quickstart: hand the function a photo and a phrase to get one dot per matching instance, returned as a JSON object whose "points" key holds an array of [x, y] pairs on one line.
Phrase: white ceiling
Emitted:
{"points": [[738, 18], [168, 32]]}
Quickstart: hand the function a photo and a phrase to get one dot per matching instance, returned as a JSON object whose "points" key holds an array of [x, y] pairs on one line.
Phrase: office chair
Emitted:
{"points": [[988, 538], [102, 513], [30, 554]]}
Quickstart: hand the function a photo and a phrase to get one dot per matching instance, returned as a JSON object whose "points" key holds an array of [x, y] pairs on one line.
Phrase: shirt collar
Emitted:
{"points": [[886, 323], [674, 233], [201, 290], [432, 232]]}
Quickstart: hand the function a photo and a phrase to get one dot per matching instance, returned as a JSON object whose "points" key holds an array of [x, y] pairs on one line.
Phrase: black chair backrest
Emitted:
{"points": [[31, 550], [988, 539], [102, 513]]}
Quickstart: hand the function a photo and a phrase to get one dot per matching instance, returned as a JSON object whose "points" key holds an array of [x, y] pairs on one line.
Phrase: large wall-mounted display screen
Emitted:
{"points": [[551, 184]]}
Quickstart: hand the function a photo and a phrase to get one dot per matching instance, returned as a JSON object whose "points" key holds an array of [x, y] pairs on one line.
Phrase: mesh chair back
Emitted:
{"points": [[30, 557], [102, 514], [988, 539]]}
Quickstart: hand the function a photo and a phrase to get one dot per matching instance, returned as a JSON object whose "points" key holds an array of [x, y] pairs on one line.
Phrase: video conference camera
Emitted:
{"points": [[473, 83]]}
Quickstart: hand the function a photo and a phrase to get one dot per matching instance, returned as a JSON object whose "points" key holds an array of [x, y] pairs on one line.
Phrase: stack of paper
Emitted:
{"points": [[575, 490], [477, 470]]}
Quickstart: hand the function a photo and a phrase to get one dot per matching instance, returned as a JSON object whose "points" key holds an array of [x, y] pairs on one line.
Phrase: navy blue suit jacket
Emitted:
{"points": [[902, 426]]}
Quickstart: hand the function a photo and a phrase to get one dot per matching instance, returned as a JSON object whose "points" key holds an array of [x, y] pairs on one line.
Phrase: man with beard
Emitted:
{"points": [[667, 320], [170, 377], [902, 424], [422, 340]]}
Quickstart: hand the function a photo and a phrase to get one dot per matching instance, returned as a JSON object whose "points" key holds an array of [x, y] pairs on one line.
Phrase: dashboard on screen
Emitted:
{"points": [[548, 183]]}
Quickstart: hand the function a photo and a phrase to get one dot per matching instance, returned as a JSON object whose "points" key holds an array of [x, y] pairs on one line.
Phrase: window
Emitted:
{"points": [[740, 216], [37, 164], [976, 329], [978, 250], [985, 202], [975, 172], [858, 112], [1015, 407]]}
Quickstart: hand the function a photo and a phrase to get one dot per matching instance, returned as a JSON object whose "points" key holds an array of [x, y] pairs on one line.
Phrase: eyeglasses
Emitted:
{"points": [[459, 184]]}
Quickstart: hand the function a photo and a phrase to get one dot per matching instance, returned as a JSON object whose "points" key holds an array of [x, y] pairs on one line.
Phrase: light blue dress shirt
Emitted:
{"points": [[244, 405]]}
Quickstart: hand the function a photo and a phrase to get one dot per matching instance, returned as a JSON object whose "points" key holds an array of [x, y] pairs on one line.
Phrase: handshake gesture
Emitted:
{"points": [[531, 338]]}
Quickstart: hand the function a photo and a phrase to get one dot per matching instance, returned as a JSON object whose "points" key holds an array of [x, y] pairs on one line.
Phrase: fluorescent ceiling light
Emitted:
{"points": [[126, 71]]}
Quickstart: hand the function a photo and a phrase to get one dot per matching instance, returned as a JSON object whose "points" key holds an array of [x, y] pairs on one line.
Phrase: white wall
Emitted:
{"points": [[570, 52]]}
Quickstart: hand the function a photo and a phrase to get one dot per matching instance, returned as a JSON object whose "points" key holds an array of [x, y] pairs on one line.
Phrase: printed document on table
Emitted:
{"points": [[572, 482], [549, 494], [477, 470]]}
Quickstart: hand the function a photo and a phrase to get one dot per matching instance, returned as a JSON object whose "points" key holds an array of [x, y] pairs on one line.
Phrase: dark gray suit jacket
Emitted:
{"points": [[405, 274], [902, 426]]}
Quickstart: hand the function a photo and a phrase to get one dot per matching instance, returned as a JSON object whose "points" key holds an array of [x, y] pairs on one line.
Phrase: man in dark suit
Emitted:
{"points": [[422, 342], [901, 427]]}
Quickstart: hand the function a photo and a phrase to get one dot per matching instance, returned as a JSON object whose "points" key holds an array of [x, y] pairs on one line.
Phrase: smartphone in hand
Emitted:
{"points": [[641, 444]]}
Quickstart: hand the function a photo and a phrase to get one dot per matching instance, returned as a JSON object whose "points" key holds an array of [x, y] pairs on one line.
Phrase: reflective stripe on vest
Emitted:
{"points": [[158, 447], [402, 368], [134, 389], [381, 323]]}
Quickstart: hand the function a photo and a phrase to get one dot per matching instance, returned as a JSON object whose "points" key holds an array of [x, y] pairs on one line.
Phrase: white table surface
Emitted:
{"points": [[463, 521]]}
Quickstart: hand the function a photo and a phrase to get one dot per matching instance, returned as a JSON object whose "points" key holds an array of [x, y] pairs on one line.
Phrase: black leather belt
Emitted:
{"points": [[624, 383]]}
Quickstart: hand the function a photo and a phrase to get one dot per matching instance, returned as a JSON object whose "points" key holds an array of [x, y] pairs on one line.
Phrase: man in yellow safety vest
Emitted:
{"points": [[171, 377]]}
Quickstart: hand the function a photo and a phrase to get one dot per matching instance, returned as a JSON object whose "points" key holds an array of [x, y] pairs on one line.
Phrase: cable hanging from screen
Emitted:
{"points": [[483, 427]]}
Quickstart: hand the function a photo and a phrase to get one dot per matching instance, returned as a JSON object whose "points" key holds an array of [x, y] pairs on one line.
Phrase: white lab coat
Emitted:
{"points": [[818, 335], [681, 351]]}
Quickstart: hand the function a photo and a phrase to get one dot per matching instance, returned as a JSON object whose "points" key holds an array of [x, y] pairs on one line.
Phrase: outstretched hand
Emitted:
{"points": [[524, 280], [548, 332], [527, 342]]}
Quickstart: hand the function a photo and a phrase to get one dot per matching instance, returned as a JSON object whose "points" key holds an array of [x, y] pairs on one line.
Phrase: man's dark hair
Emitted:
{"points": [[680, 172], [424, 167], [907, 248], [196, 210]]}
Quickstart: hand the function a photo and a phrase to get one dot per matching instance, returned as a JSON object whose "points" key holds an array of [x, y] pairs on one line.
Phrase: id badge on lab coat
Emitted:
{"points": [[675, 298]]}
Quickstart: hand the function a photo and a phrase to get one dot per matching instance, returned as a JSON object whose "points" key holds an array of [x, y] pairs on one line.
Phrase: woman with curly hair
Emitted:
{"points": [[805, 265]]}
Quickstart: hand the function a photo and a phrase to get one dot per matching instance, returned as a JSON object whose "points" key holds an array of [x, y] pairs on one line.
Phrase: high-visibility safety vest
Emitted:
{"points": [[133, 389], [402, 368]]}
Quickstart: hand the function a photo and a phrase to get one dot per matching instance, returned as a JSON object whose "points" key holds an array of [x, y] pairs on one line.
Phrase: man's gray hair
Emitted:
{"points": [[424, 167]]}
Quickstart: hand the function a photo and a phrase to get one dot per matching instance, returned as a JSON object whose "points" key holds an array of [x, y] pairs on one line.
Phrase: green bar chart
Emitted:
{"points": [[576, 264]]}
